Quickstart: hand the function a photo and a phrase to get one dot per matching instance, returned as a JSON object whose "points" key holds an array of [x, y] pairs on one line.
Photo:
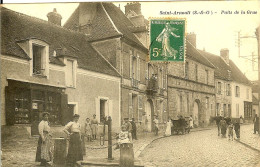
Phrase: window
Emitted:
{"points": [[217, 108], [134, 67], [207, 77], [237, 110], [225, 110], [38, 67], [181, 110], [196, 72], [103, 110], [211, 109], [207, 102], [70, 73], [39, 54], [186, 70], [237, 91], [188, 101], [228, 90], [160, 78], [219, 88]]}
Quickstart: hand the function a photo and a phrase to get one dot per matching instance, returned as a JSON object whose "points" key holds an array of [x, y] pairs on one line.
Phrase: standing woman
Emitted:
{"points": [[94, 127], [43, 153], [72, 129], [168, 130]]}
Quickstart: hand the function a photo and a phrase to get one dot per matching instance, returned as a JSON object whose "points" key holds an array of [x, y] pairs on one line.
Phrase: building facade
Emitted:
{"points": [[45, 67], [233, 89], [191, 89], [112, 34]]}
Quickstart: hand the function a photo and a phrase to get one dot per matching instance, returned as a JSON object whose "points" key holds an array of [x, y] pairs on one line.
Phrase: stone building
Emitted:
{"points": [[45, 67], [191, 89], [233, 89], [121, 42]]}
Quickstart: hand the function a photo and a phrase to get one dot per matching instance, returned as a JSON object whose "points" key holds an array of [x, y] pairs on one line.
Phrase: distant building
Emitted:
{"points": [[45, 67], [191, 89], [123, 43], [233, 89]]}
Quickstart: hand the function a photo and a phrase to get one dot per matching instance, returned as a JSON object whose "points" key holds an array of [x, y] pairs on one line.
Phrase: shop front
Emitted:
{"points": [[25, 103]]}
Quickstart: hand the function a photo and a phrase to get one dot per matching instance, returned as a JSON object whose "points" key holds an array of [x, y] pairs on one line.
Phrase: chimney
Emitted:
{"points": [[191, 37], [134, 6], [54, 17], [224, 53]]}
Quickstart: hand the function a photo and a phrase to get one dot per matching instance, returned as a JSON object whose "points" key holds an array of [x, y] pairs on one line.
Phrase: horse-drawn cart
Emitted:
{"points": [[180, 126]]}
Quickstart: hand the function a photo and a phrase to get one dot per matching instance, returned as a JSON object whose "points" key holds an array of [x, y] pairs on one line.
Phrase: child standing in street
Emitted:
{"points": [[123, 137], [88, 129], [237, 129], [230, 131]]}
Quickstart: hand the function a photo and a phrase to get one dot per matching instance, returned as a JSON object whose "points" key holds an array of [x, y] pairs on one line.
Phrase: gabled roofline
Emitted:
{"points": [[107, 61], [201, 55], [111, 21]]}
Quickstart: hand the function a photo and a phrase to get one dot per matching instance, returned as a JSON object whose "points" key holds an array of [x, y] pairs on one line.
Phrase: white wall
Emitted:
{"points": [[240, 100]]}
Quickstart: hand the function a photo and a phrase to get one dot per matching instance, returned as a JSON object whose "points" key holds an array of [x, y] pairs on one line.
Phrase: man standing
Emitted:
{"points": [[256, 124], [218, 118], [133, 129], [128, 125], [156, 125]]}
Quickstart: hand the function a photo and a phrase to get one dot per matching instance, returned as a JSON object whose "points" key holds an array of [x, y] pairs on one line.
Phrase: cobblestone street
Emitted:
{"points": [[202, 148], [199, 148]]}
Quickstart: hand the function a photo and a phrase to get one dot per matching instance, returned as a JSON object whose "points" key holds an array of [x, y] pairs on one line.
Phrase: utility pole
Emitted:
{"points": [[257, 33]]}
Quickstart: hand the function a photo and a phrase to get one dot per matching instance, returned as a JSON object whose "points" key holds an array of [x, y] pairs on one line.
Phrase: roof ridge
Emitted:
{"points": [[110, 19], [201, 54], [43, 21]]}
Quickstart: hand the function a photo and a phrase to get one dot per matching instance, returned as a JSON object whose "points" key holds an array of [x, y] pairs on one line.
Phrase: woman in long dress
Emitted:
{"points": [[44, 153], [168, 131], [72, 129], [94, 127]]}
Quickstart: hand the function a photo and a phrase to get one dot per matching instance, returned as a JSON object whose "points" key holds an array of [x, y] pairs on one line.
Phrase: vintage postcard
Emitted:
{"points": [[153, 84]]}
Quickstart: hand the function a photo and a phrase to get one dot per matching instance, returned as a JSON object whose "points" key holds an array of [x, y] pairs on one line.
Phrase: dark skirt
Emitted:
{"points": [[75, 149]]}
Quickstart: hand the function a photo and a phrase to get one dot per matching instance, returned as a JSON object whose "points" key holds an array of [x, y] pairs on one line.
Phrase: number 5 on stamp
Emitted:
{"points": [[167, 39]]}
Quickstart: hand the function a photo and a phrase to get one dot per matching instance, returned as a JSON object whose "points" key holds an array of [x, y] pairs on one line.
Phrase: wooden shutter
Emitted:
{"points": [[140, 107], [146, 70], [9, 106], [66, 115], [131, 64], [138, 68], [130, 111]]}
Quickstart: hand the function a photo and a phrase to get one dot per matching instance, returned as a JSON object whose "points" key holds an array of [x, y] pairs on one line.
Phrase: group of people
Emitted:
{"points": [[44, 153], [91, 128], [225, 124]]}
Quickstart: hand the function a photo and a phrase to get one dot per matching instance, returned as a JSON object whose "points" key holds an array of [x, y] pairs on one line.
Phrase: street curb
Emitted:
{"points": [[247, 145], [138, 152]]}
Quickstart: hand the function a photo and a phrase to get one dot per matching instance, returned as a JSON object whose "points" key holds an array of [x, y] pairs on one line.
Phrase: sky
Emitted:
{"points": [[214, 31]]}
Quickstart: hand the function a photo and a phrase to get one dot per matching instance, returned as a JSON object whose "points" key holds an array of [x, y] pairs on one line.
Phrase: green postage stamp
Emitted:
{"points": [[167, 39]]}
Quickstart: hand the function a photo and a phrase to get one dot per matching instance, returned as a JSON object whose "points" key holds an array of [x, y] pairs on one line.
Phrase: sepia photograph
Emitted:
{"points": [[130, 84]]}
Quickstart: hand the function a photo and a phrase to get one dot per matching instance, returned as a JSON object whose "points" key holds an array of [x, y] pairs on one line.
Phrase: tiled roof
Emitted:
{"points": [[193, 54], [221, 71], [16, 27], [109, 22]]}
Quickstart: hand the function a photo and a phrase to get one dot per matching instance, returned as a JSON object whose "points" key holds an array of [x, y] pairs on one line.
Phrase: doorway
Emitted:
{"points": [[196, 114], [149, 115]]}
